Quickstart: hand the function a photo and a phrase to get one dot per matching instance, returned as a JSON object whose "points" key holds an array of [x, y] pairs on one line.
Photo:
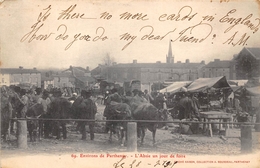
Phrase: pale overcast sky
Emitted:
{"points": [[17, 17]]}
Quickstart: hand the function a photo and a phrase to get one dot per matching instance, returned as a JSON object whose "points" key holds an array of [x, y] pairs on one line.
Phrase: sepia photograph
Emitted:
{"points": [[131, 83]]}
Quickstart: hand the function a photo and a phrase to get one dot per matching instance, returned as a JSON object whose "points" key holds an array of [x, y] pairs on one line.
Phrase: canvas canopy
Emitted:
{"points": [[254, 91], [175, 87], [202, 84]]}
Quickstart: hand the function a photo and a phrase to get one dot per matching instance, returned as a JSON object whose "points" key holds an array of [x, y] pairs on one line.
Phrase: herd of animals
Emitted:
{"points": [[82, 107]]}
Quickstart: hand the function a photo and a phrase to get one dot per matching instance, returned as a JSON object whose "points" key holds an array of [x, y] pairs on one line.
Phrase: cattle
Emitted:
{"points": [[146, 111], [6, 114], [142, 110], [185, 108], [118, 111], [60, 109]]}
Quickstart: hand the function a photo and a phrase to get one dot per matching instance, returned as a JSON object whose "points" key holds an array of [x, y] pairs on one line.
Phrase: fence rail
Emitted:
{"points": [[145, 121]]}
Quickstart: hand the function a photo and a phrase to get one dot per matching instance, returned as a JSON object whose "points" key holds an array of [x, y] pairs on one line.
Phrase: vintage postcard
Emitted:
{"points": [[131, 83]]}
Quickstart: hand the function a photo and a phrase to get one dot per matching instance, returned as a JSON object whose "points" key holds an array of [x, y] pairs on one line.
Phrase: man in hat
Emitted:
{"points": [[88, 110], [23, 98], [135, 92], [73, 98], [112, 99]]}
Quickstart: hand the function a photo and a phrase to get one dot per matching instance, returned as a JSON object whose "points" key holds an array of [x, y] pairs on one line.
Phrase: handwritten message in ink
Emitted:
{"points": [[187, 25]]}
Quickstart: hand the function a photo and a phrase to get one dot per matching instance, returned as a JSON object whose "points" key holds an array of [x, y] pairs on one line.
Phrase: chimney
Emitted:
{"points": [[187, 61], [20, 67], [87, 69], [216, 60], [202, 62], [178, 61], [134, 61], [158, 62], [34, 68]]}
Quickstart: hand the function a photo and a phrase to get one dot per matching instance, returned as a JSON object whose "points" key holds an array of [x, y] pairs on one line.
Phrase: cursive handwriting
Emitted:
{"points": [[128, 163], [183, 35], [179, 16], [68, 14], [243, 21], [84, 37], [37, 26], [137, 16], [190, 33]]}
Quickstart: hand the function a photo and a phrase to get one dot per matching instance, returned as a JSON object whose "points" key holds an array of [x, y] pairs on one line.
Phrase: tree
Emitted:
{"points": [[108, 60]]}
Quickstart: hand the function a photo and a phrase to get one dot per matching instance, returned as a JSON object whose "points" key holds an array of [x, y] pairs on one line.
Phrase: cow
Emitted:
{"points": [[143, 110], [6, 114], [185, 108], [147, 111], [118, 111]]}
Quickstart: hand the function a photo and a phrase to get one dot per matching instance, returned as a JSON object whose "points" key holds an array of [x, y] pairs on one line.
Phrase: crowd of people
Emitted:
{"points": [[38, 103]]}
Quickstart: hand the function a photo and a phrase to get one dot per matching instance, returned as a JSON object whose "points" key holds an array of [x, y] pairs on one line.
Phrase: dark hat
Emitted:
{"points": [[38, 90], [17, 89], [85, 93], [135, 91], [114, 90], [23, 91]]}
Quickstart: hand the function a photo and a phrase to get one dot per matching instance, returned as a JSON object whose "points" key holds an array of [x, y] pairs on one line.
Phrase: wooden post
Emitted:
{"points": [[246, 138], [257, 126], [22, 134], [131, 137]]}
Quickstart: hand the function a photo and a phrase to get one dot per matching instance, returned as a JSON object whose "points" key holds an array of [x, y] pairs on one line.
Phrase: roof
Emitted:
{"points": [[77, 71], [85, 78], [205, 83], [218, 64], [160, 65], [17, 71], [175, 87], [255, 52]]}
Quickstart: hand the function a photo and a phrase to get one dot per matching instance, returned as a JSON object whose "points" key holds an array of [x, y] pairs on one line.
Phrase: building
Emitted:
{"points": [[170, 57], [149, 73], [76, 77], [247, 63], [154, 72], [20, 76], [218, 68]]}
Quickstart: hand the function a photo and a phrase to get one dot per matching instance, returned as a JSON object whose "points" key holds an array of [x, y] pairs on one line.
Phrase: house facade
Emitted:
{"points": [[154, 72], [218, 68], [76, 77], [247, 63], [20, 76]]}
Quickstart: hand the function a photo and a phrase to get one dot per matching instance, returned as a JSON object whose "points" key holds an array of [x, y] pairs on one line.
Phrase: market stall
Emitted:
{"points": [[215, 91]]}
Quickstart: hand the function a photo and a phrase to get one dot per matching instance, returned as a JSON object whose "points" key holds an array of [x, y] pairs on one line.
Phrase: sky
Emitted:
{"points": [[207, 38]]}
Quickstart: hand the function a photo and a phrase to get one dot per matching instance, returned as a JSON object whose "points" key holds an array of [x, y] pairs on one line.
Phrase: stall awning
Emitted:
{"points": [[202, 84], [175, 87], [254, 91]]}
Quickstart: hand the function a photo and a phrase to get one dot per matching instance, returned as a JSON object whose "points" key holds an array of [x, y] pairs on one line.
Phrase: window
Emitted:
{"points": [[3, 80]]}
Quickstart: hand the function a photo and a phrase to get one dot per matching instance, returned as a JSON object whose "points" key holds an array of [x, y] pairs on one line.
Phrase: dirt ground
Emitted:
{"points": [[167, 141]]}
